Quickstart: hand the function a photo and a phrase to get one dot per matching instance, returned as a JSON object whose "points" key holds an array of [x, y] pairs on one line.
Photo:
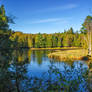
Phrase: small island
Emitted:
{"points": [[64, 55]]}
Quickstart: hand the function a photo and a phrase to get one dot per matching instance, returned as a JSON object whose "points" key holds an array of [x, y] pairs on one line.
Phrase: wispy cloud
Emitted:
{"points": [[64, 7], [50, 20], [58, 8]]}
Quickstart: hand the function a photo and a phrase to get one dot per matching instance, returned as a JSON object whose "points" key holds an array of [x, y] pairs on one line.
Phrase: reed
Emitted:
{"points": [[64, 55]]}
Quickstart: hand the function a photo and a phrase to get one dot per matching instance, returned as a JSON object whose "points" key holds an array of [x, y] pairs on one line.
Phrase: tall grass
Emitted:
{"points": [[69, 55]]}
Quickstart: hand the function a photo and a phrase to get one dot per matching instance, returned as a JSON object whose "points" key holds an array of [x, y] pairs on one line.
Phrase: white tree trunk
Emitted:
{"points": [[89, 47]]}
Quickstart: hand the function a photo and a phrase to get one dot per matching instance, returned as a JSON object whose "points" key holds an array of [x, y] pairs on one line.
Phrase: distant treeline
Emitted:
{"points": [[66, 39]]}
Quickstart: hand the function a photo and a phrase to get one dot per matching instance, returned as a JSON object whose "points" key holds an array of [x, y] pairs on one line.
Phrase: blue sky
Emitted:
{"points": [[47, 16]]}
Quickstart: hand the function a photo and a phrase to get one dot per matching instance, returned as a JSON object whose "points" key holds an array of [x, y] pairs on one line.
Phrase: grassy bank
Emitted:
{"points": [[57, 48], [77, 54]]}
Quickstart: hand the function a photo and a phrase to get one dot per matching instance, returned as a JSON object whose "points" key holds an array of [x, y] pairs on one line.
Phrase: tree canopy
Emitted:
{"points": [[87, 25]]}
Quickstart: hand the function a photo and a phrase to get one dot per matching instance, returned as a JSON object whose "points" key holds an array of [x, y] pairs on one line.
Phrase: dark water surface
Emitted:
{"points": [[18, 67]]}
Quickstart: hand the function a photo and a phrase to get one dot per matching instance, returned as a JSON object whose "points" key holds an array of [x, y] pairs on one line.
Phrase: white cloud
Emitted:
{"points": [[65, 7], [50, 20]]}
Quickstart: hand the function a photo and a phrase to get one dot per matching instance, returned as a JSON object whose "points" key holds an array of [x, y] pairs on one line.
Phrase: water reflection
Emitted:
{"points": [[5, 58], [32, 71], [13, 69]]}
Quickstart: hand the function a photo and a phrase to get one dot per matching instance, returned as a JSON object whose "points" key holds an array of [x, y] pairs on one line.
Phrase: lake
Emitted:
{"points": [[25, 70]]}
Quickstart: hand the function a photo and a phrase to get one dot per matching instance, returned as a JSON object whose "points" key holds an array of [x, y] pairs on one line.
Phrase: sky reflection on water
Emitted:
{"points": [[70, 72]]}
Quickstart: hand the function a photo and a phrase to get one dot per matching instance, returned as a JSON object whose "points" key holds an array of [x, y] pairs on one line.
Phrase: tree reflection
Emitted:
{"points": [[13, 69], [22, 55], [5, 80], [39, 56]]}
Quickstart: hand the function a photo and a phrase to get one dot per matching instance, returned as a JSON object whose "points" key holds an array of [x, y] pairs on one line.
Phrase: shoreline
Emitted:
{"points": [[56, 48]]}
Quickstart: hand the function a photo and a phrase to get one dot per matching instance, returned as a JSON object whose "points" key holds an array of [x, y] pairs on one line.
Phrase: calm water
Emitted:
{"points": [[27, 63], [39, 63]]}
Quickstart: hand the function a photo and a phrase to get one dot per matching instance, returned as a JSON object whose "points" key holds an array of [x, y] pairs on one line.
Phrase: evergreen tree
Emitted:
{"points": [[3, 19]]}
